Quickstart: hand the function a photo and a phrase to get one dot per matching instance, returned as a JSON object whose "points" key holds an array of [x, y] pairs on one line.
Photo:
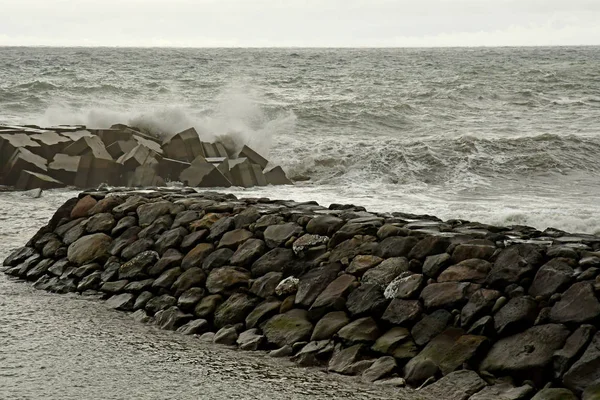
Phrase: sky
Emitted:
{"points": [[299, 23]]}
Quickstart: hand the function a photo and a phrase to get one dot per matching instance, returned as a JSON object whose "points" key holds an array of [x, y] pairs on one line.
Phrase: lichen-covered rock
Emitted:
{"points": [[137, 267], [289, 328], [287, 287], [405, 286], [89, 249], [384, 273]]}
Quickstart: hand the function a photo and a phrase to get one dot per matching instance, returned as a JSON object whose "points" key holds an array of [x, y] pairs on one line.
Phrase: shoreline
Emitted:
{"points": [[385, 280]]}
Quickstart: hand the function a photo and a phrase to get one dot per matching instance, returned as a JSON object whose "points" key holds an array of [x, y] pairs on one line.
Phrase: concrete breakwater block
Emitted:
{"points": [[124, 156], [372, 295]]}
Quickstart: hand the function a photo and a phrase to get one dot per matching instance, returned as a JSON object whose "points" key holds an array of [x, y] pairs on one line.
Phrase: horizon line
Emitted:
{"points": [[297, 47]]}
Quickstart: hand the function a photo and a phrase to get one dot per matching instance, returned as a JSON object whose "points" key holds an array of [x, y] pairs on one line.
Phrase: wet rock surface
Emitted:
{"points": [[378, 301]]}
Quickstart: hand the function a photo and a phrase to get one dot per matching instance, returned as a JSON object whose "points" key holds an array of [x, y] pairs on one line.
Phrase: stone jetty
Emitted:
{"points": [[32, 157], [455, 309]]}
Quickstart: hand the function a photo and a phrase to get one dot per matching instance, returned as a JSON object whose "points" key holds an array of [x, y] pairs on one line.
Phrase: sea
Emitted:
{"points": [[505, 136]]}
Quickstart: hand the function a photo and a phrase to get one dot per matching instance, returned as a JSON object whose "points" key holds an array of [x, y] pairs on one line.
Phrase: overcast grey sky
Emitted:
{"points": [[320, 23]]}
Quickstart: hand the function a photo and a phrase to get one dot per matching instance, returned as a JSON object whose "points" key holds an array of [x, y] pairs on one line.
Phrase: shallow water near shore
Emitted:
{"points": [[63, 347]]}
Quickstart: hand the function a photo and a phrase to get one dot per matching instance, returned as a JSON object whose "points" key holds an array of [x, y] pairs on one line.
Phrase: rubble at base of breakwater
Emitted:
{"points": [[462, 310], [32, 157]]}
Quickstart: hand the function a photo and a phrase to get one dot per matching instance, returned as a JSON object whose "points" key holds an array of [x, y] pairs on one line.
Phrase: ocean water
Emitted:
{"points": [[497, 135]]}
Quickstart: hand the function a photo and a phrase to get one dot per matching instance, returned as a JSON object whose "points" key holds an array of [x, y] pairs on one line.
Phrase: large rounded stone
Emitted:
{"points": [[234, 310], [526, 354], [384, 273], [208, 305], [171, 258], [170, 239], [289, 328], [367, 299], [83, 206], [433, 265], [479, 303], [329, 325], [396, 246], [196, 256], [334, 295], [171, 318], [123, 302], [216, 259], [429, 246], [276, 260], [133, 249], [159, 303], [312, 283], [193, 277], [430, 326], [470, 270], [554, 394], [447, 295], [406, 286], [363, 330], [249, 251], [276, 235], [103, 222], [577, 305], [514, 264], [362, 263], [220, 227], [517, 315], [235, 238], [396, 342], [401, 312], [149, 212], [89, 249], [137, 267], [465, 251], [325, 225], [265, 285], [262, 312], [190, 298], [167, 278], [227, 278], [459, 385], [551, 278], [586, 371]]}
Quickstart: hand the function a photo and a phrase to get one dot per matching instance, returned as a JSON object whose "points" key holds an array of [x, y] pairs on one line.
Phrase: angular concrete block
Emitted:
{"points": [[120, 147], [145, 175], [34, 180], [50, 143], [64, 168], [94, 171], [212, 150], [203, 174], [88, 145], [76, 135], [184, 146], [67, 128], [245, 174], [276, 176], [22, 159], [253, 157], [110, 136], [171, 169], [139, 155], [9, 142]]}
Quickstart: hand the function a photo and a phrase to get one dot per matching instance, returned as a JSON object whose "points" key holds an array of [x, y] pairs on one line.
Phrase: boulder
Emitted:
{"points": [[586, 371], [367, 299], [147, 213], [123, 302], [217, 258], [265, 285], [465, 349], [276, 235], [517, 315], [234, 310], [362, 263], [248, 252], [329, 325], [465, 251], [324, 225], [430, 326], [397, 343], [429, 246], [527, 354], [344, 358], [405, 286], [196, 256], [446, 295], [235, 238], [137, 267], [89, 249], [363, 330], [514, 264], [190, 298], [402, 312], [132, 247], [227, 336], [574, 346], [470, 270], [459, 385], [262, 312], [480, 302], [227, 278], [551, 278], [194, 327], [170, 239], [289, 328], [334, 295], [159, 303], [434, 265], [250, 340], [207, 306], [171, 318], [312, 283], [193, 277], [554, 394], [171, 258], [276, 260], [503, 391], [384, 273], [396, 246], [577, 305], [381, 368]]}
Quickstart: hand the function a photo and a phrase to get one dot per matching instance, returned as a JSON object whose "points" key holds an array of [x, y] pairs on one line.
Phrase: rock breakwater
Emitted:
{"points": [[460, 309]]}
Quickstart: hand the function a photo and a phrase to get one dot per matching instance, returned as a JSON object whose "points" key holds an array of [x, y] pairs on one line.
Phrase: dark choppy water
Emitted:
{"points": [[68, 347], [499, 135]]}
